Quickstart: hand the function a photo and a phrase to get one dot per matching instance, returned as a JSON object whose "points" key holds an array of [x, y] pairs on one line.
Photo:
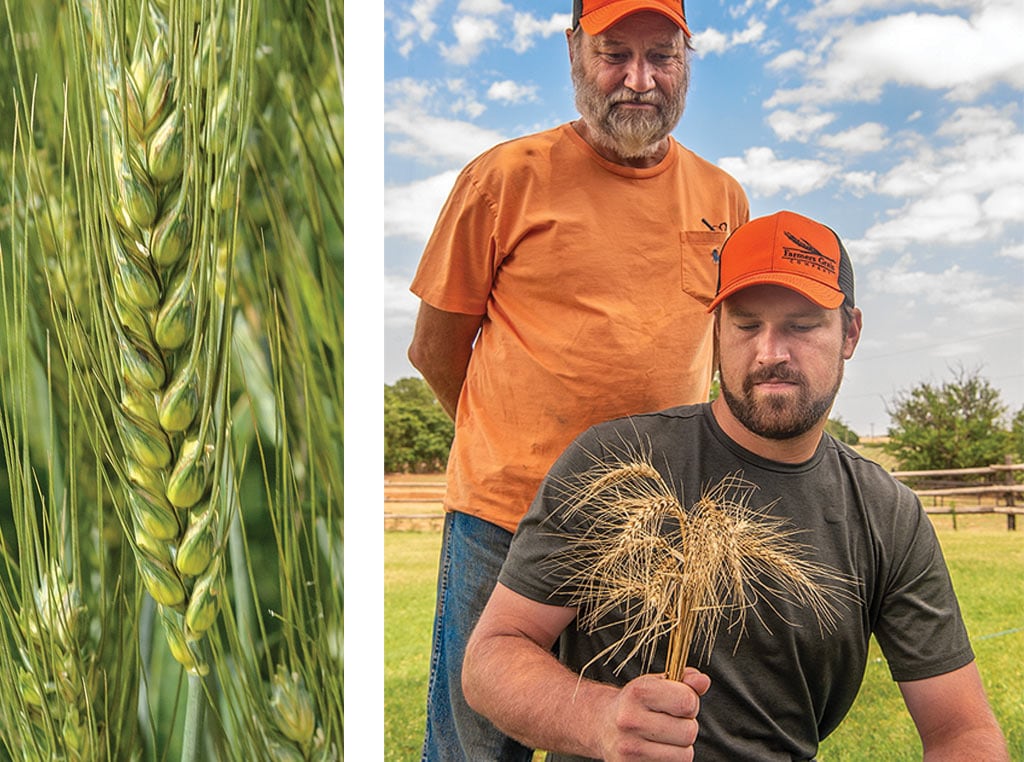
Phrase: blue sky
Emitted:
{"points": [[899, 124]]}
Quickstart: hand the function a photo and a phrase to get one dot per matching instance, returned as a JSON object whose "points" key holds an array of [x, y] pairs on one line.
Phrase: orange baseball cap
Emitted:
{"points": [[786, 249], [597, 15]]}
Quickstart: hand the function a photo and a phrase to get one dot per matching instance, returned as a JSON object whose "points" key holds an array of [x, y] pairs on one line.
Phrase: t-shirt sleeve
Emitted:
{"points": [[460, 261], [920, 627]]}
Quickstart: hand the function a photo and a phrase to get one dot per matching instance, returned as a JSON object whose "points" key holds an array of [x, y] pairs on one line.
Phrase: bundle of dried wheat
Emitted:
{"points": [[644, 562]]}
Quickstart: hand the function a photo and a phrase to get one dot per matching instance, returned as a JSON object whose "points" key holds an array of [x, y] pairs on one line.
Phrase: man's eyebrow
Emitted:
{"points": [[741, 314], [803, 314], [669, 42]]}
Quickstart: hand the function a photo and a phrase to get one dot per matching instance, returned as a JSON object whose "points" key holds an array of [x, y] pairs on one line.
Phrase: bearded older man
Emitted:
{"points": [[565, 283]]}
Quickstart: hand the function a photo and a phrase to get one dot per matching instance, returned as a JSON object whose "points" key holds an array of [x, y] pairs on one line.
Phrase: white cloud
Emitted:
{"points": [[962, 57], [963, 184], [482, 7], [953, 287], [863, 251], [761, 172], [415, 95], [410, 211], [469, 106], [798, 125], [859, 183], [1013, 251], [740, 10], [527, 27], [969, 121], [471, 34], [788, 60], [1005, 203], [912, 177], [410, 92], [710, 40], [829, 10], [865, 138], [753, 33], [463, 99], [419, 24], [951, 218], [400, 304], [433, 141], [508, 91]]}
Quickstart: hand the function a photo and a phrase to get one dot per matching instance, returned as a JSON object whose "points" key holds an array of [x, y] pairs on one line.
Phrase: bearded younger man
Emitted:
{"points": [[782, 676], [565, 283]]}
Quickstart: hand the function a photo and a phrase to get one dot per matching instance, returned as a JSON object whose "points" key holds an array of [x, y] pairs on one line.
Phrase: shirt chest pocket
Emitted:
{"points": [[698, 253]]}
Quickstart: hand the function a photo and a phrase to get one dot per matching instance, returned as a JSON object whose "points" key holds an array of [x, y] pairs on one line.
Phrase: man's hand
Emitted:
{"points": [[511, 677], [654, 718]]}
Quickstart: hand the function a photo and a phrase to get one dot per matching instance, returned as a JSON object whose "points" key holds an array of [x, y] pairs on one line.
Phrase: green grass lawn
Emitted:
{"points": [[987, 564], [410, 588]]}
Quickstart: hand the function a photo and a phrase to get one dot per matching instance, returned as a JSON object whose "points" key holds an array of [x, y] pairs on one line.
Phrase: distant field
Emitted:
{"points": [[873, 449], [987, 564]]}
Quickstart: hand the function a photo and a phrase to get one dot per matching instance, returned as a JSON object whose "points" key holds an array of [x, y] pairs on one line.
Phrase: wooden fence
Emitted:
{"points": [[413, 504], [986, 489], [418, 504]]}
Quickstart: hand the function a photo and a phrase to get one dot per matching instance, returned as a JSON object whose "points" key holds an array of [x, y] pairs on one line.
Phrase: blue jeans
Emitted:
{"points": [[472, 552]]}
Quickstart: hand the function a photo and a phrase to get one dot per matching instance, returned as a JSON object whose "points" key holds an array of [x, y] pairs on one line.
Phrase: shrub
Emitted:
{"points": [[417, 432], [957, 424]]}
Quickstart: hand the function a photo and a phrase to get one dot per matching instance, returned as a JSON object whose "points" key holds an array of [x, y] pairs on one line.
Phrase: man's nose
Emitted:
{"points": [[772, 347], [640, 75]]}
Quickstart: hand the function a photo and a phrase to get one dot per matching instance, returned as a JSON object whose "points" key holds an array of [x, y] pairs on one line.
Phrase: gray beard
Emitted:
{"points": [[633, 135]]}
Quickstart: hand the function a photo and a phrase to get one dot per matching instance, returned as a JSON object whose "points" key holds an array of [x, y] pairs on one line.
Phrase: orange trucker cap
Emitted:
{"points": [[786, 249], [597, 15]]}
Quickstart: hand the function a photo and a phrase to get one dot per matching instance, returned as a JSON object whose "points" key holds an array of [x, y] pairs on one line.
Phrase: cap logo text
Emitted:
{"points": [[803, 253]]}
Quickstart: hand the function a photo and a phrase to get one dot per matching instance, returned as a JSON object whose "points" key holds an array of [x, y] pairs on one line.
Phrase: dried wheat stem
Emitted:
{"points": [[680, 639]]}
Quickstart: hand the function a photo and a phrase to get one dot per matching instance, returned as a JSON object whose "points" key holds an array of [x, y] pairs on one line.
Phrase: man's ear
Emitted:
{"points": [[568, 42], [853, 333], [715, 359]]}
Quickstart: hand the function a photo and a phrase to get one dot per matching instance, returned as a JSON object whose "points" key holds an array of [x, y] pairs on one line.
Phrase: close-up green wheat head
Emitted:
{"points": [[171, 245]]}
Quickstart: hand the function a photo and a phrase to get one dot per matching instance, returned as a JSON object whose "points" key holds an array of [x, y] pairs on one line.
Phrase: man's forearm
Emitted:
{"points": [[982, 744], [953, 717], [440, 350], [446, 387], [540, 703]]}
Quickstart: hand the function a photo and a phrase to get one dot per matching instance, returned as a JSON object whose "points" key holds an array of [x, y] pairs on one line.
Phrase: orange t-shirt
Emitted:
{"points": [[593, 279]]}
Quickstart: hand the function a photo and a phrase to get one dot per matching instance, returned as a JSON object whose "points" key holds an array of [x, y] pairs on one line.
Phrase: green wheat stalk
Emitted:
{"points": [[259, 270]]}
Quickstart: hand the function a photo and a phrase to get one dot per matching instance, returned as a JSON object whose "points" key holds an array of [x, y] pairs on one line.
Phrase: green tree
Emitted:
{"points": [[838, 428], [957, 424], [1017, 434], [417, 431]]}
